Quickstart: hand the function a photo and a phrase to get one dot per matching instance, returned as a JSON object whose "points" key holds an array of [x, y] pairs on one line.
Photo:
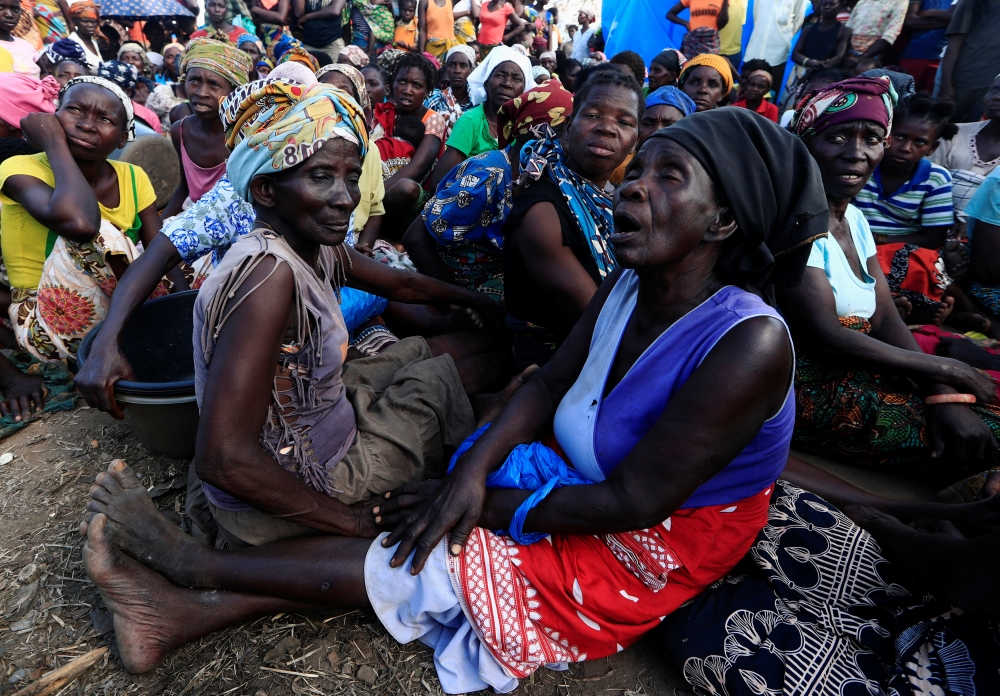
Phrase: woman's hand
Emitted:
{"points": [[42, 130], [966, 379], [96, 380], [959, 432], [453, 507]]}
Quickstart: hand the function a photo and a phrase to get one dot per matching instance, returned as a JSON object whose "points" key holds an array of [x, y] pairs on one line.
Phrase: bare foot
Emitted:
{"points": [[903, 306], [943, 309], [970, 321], [136, 526], [489, 406], [136, 598]]}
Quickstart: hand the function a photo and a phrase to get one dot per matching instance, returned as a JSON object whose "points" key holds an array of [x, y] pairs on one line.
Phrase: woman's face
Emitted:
{"points": [[656, 117], [659, 76], [458, 68], [250, 48], [205, 90], [263, 71], [316, 197], [756, 88], [86, 28], [992, 100], [410, 89], [505, 83], [141, 93], [847, 154], [569, 79], [94, 121], [216, 11], [66, 71], [340, 81], [170, 55], [549, 63], [602, 132], [705, 86], [665, 208], [374, 85], [134, 59]]}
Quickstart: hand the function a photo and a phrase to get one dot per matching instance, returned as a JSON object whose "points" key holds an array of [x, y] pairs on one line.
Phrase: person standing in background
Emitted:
{"points": [[972, 59], [321, 27], [707, 17], [86, 19], [775, 23], [436, 23], [874, 25], [928, 20], [406, 27], [581, 51], [731, 35], [18, 56]]}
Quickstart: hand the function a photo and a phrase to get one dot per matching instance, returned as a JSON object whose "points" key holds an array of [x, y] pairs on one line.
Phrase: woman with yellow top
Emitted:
{"points": [[71, 218]]}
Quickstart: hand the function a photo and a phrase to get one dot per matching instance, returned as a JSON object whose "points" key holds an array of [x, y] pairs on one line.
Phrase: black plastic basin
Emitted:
{"points": [[161, 405]]}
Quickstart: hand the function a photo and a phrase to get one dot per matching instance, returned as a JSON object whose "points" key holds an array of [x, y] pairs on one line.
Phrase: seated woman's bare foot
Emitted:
{"points": [[488, 406], [136, 526], [943, 309], [903, 306], [957, 258], [970, 321], [140, 601]]}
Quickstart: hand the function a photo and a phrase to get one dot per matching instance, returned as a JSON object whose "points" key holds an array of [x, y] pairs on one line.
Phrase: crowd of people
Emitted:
{"points": [[546, 326]]}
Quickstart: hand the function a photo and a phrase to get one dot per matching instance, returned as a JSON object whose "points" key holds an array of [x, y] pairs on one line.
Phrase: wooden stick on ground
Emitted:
{"points": [[55, 680]]}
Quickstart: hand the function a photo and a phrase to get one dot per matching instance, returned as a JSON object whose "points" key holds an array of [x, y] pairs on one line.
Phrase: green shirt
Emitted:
{"points": [[471, 133]]}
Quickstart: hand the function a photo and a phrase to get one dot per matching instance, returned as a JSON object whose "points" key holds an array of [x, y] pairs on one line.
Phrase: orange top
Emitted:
{"points": [[406, 34], [704, 13], [440, 21]]}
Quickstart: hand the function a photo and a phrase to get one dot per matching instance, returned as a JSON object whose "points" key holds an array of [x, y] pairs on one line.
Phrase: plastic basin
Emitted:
{"points": [[160, 403]]}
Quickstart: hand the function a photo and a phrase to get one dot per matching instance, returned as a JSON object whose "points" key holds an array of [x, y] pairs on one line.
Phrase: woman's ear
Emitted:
{"points": [[262, 191], [722, 227]]}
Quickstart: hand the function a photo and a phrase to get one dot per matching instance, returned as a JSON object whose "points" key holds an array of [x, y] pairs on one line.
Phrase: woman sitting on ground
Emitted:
{"points": [[665, 106], [71, 218], [671, 496], [707, 79], [454, 100], [754, 88], [504, 74], [210, 70], [458, 237], [865, 392], [556, 251]]}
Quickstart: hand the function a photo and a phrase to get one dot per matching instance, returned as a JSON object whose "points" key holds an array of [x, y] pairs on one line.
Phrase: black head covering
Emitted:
{"points": [[773, 187]]}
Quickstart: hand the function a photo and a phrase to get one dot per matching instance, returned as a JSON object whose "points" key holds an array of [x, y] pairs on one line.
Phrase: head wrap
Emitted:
{"points": [[122, 74], [298, 54], [713, 61], [67, 49], [856, 99], [355, 55], [761, 73], [671, 96], [466, 51], [136, 48], [904, 84], [670, 58], [539, 74], [520, 49], [273, 125], [432, 59], [247, 37], [389, 59], [218, 56], [111, 87], [549, 103], [500, 54], [155, 59], [293, 71], [21, 95], [547, 54], [84, 10], [356, 78], [775, 193]]}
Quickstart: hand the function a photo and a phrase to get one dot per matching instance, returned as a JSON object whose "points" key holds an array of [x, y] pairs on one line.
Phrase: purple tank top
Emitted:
{"points": [[598, 433]]}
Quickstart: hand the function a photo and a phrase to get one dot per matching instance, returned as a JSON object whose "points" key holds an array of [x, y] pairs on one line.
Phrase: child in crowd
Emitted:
{"points": [[211, 70], [16, 54], [396, 151], [375, 81], [406, 27], [821, 44], [907, 203], [755, 86]]}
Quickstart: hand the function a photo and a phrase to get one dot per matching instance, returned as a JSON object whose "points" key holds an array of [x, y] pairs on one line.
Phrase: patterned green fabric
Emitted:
{"points": [[380, 20]]}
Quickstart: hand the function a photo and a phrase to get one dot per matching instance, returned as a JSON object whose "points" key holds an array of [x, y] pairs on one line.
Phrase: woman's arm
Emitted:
{"points": [[723, 19], [985, 253], [926, 237], [334, 9], [236, 400], [517, 26], [451, 158], [150, 226], [672, 16], [422, 248], [421, 30], [70, 209], [176, 203], [279, 15], [798, 55], [550, 263], [843, 43], [421, 162], [716, 413]]}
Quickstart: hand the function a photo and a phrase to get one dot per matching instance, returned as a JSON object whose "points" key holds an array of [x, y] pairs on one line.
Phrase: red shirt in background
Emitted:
{"points": [[766, 108]]}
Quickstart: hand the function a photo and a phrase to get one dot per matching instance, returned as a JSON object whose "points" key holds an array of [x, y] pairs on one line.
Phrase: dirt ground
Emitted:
{"points": [[50, 613]]}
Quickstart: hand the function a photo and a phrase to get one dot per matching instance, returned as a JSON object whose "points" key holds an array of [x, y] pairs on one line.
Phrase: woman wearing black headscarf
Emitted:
{"points": [[670, 398]]}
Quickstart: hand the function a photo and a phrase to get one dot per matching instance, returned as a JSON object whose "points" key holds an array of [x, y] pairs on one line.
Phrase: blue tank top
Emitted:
{"points": [[597, 433]]}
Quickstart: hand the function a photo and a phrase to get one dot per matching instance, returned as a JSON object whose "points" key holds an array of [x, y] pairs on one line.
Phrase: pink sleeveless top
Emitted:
{"points": [[200, 180]]}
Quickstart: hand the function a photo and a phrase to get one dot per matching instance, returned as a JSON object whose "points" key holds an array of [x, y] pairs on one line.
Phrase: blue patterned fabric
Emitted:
{"points": [[142, 9], [472, 201], [590, 205]]}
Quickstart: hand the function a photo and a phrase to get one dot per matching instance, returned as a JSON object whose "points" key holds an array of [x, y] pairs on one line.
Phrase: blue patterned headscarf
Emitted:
{"points": [[590, 205], [67, 49], [671, 96], [122, 74]]}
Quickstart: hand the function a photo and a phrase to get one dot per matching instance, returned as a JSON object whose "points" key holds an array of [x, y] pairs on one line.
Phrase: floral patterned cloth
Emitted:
{"points": [[72, 296], [212, 225]]}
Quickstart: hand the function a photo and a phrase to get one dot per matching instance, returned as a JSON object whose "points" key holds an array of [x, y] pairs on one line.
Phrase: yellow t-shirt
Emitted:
{"points": [[372, 189], [26, 243], [731, 35]]}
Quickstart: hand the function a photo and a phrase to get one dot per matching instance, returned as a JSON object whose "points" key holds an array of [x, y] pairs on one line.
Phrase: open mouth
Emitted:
{"points": [[851, 179], [625, 225]]}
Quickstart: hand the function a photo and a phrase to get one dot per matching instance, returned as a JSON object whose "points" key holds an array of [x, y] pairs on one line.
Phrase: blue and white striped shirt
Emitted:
{"points": [[923, 201]]}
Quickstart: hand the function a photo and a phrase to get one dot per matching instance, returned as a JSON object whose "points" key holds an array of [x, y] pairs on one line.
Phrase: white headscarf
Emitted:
{"points": [[500, 54], [466, 51], [294, 72], [111, 87]]}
